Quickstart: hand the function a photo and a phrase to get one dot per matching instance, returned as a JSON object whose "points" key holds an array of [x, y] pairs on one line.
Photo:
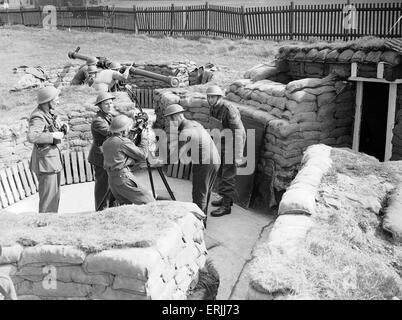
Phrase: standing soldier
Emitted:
{"points": [[107, 79], [100, 132], [44, 132], [121, 158], [229, 117], [205, 160]]}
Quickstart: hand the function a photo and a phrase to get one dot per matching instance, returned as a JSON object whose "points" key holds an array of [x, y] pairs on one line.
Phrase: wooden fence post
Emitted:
{"points": [[40, 23], [206, 22], [86, 18], [347, 30], [105, 13], [171, 19], [243, 19], [135, 20], [22, 16], [291, 20]]}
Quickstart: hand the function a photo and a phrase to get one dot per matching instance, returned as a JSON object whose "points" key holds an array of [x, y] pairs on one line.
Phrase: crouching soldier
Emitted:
{"points": [[200, 148], [83, 73], [106, 80], [229, 117], [46, 132], [100, 132], [121, 159]]}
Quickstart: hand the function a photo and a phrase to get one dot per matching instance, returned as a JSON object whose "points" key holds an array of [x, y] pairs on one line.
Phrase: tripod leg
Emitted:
{"points": [[166, 184], [151, 180]]}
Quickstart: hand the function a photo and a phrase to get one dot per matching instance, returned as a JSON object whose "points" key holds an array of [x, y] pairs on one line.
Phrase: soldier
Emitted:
{"points": [[205, 162], [100, 132], [121, 159], [82, 73], [229, 117], [44, 132], [107, 79], [7, 290]]}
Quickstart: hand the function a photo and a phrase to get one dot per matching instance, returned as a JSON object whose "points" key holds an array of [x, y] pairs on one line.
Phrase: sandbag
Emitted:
{"points": [[299, 107], [297, 200], [271, 88], [282, 128], [392, 221], [11, 254], [320, 90], [325, 98], [301, 96], [261, 72], [308, 83]]}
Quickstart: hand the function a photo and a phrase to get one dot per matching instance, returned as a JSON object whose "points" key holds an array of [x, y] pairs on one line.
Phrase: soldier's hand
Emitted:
{"points": [[58, 135]]}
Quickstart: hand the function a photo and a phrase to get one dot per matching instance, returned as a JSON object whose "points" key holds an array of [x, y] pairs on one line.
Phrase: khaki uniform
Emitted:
{"points": [[205, 162], [100, 132], [121, 159], [229, 117], [106, 79], [46, 160]]}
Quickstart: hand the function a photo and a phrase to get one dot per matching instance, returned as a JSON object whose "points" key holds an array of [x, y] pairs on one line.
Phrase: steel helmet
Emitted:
{"points": [[120, 123], [47, 94], [92, 69], [103, 96], [92, 61], [115, 66], [214, 91], [173, 109]]}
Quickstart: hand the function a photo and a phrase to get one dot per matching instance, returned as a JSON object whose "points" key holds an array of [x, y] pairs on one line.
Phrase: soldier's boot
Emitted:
{"points": [[224, 209], [219, 202]]}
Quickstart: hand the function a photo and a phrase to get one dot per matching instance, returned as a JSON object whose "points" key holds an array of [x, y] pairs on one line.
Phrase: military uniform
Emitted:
{"points": [[106, 79], [100, 132], [229, 117], [80, 76], [121, 159], [205, 164], [46, 160]]}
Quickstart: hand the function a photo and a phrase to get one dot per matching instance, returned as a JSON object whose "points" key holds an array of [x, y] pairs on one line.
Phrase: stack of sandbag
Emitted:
{"points": [[392, 221], [195, 105], [262, 71], [166, 268], [397, 131]]}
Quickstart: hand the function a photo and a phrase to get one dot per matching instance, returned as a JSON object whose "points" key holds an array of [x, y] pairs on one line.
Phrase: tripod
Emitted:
{"points": [[162, 175]]}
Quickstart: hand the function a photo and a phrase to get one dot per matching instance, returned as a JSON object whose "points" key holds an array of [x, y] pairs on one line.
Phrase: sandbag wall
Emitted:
{"points": [[169, 269], [305, 112], [14, 145], [397, 131]]}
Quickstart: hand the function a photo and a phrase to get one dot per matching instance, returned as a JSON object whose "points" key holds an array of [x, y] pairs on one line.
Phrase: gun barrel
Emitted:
{"points": [[172, 81], [76, 55]]}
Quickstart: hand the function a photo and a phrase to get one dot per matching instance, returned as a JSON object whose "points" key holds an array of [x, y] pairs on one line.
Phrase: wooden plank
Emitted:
{"points": [[81, 166], [74, 166], [29, 176], [169, 170], [24, 180], [358, 116], [390, 120], [186, 173], [3, 197], [62, 174], [67, 164], [6, 186], [12, 184], [88, 167], [18, 182], [175, 170]]}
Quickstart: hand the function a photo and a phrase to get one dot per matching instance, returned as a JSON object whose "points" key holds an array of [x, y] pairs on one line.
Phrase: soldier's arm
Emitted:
{"points": [[101, 127], [35, 131], [235, 124], [121, 77], [7, 288], [136, 152]]}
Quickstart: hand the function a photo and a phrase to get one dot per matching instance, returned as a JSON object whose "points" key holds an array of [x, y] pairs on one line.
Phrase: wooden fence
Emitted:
{"points": [[280, 22]]}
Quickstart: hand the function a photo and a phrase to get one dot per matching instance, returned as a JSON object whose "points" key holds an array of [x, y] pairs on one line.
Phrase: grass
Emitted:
{"points": [[125, 226], [346, 255]]}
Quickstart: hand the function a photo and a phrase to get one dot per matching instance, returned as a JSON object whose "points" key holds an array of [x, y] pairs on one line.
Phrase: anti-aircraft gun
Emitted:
{"points": [[172, 81]]}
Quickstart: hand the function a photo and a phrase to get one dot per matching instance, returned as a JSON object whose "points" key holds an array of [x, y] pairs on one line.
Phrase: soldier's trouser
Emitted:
{"points": [[49, 192], [204, 176], [126, 190], [101, 188]]}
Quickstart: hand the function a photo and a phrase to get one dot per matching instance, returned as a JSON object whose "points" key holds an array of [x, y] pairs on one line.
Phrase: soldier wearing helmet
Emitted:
{"points": [[203, 153], [229, 117], [85, 73], [122, 158], [44, 132], [106, 80], [100, 132]]}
